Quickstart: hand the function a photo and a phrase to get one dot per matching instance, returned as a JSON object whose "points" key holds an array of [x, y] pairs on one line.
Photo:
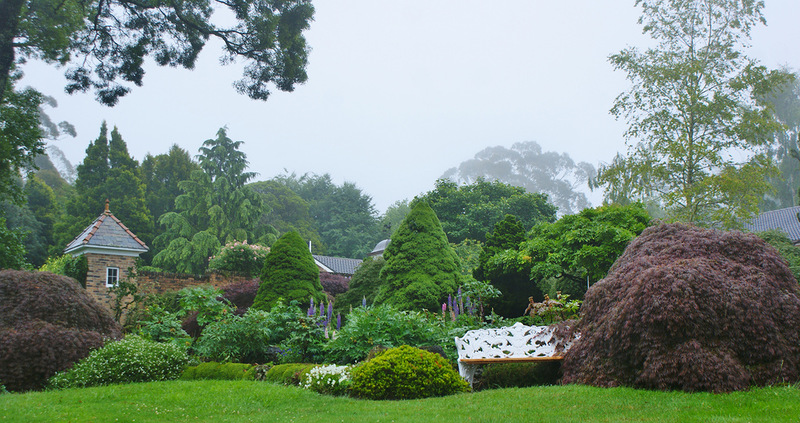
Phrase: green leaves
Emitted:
{"points": [[692, 110]]}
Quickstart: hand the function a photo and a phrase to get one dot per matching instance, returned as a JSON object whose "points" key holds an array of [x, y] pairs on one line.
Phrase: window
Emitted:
{"points": [[112, 276]]}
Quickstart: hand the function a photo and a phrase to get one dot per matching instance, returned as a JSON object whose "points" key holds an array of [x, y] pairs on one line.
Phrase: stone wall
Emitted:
{"points": [[159, 283]]}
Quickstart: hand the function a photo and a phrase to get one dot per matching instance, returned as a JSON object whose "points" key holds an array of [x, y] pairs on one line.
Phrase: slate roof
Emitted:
{"points": [[107, 231], [786, 220], [340, 265]]}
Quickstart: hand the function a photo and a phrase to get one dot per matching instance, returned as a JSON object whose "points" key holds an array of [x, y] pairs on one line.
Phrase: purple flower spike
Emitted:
{"points": [[321, 309], [450, 301], [364, 302], [338, 321], [312, 303], [330, 311]]}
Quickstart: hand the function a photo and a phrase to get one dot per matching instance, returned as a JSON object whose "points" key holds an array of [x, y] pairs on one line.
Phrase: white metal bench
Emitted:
{"points": [[513, 344]]}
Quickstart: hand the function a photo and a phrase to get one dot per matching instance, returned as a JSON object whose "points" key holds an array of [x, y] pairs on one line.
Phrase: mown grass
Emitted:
{"points": [[246, 401]]}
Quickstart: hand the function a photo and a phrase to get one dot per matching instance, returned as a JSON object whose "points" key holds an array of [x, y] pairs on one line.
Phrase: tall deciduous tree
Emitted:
{"points": [[693, 108], [107, 41], [421, 267], [785, 103], [470, 211], [289, 212], [526, 165]]}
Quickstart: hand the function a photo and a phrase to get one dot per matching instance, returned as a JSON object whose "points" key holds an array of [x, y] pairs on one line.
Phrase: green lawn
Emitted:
{"points": [[240, 401]]}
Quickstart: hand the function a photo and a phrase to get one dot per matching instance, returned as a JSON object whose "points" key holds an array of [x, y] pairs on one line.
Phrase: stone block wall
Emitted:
{"points": [[96, 276], [159, 283]]}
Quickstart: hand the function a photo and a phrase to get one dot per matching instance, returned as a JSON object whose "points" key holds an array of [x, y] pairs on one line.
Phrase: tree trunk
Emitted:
{"points": [[9, 22]]}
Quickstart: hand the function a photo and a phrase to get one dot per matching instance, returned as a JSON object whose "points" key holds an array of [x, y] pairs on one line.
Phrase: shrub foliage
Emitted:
{"points": [[47, 322], [406, 373], [365, 283], [289, 273], [690, 309], [132, 359]]}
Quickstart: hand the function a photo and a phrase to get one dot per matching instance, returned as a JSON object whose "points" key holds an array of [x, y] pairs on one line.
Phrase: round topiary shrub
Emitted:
{"points": [[132, 359], [690, 309], [47, 322], [406, 373]]}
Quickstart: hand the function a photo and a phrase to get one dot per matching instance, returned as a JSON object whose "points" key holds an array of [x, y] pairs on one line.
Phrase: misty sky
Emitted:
{"points": [[398, 92]]}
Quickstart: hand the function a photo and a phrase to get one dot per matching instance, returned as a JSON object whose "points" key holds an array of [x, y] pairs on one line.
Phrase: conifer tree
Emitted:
{"points": [[289, 274], [107, 173], [421, 267]]}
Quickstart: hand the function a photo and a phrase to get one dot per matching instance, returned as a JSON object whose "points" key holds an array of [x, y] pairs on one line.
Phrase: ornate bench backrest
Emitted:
{"points": [[515, 341]]}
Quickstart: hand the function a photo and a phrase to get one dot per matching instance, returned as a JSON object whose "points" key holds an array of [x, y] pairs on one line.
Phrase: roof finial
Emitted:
{"points": [[107, 212]]}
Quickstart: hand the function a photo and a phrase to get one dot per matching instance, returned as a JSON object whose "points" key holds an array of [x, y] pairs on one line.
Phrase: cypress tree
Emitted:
{"points": [[421, 267], [289, 273]]}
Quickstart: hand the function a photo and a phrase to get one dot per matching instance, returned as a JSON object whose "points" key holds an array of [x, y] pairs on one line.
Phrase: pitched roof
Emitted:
{"points": [[340, 265], [786, 220], [107, 232]]}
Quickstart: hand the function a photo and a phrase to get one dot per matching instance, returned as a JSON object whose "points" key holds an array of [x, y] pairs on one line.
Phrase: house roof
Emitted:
{"points": [[786, 220], [340, 265], [107, 233]]}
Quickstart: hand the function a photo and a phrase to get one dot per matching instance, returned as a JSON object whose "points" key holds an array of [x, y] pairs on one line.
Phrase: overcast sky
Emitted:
{"points": [[398, 92]]}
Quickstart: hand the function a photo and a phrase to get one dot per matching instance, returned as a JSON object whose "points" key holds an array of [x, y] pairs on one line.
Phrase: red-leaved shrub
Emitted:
{"points": [[47, 323], [690, 309], [334, 284]]}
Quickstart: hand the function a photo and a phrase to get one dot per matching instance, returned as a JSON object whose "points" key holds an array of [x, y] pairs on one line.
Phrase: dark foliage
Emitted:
{"points": [[518, 375], [334, 284], [515, 284], [47, 322], [241, 294], [690, 309]]}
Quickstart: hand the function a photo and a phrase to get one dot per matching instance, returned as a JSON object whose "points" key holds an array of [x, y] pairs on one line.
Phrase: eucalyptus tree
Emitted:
{"points": [[526, 165], [697, 133]]}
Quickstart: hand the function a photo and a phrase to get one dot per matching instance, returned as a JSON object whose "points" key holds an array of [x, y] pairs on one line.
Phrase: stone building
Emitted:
{"points": [[111, 250]]}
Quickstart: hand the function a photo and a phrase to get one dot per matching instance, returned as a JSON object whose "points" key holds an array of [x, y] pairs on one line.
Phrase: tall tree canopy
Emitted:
{"points": [[470, 211], [20, 136], [161, 175], [106, 42], [345, 217], [574, 248], [526, 165], [289, 211], [694, 101], [107, 173], [785, 103], [215, 208]]}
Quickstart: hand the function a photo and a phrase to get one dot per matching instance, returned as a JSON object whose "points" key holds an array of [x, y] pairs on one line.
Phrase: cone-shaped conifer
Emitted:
{"points": [[421, 267], [289, 273]]}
